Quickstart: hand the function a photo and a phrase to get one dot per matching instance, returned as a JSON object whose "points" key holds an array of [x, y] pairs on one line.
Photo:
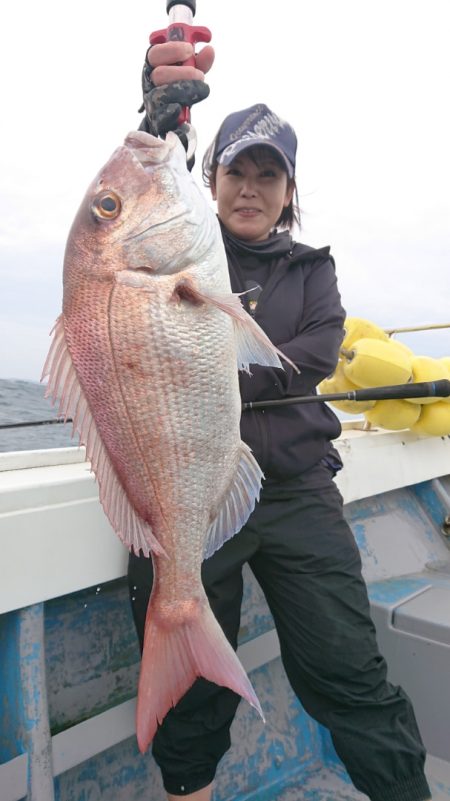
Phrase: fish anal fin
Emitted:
{"points": [[64, 385], [238, 504]]}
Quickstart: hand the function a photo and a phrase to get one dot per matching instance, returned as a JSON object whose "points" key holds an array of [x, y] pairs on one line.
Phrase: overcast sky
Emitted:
{"points": [[365, 85]]}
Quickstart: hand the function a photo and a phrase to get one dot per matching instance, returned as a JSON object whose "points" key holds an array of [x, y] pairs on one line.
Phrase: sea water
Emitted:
{"points": [[23, 401]]}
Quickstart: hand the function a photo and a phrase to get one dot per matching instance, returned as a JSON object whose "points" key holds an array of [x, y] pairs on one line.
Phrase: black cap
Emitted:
{"points": [[257, 125]]}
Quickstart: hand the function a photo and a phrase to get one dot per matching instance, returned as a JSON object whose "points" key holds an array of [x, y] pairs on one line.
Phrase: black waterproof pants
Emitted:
{"points": [[305, 558]]}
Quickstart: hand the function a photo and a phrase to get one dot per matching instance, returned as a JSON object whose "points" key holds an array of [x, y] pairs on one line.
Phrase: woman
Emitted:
{"points": [[297, 541]]}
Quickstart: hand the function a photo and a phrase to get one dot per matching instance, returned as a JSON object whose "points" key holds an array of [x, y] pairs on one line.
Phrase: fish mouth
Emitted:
{"points": [[148, 150], [150, 154]]}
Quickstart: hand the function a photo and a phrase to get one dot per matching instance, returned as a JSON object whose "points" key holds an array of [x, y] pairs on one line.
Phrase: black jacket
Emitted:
{"points": [[300, 310]]}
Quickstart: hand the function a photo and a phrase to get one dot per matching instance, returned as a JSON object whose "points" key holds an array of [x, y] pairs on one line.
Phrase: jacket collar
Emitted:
{"points": [[278, 244]]}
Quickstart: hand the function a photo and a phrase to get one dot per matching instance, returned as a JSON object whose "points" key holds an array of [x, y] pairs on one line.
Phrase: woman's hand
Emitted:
{"points": [[166, 64], [168, 86]]}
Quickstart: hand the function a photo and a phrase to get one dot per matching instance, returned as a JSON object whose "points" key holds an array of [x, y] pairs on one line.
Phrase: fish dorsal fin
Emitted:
{"points": [[252, 344], [238, 503], [63, 384]]}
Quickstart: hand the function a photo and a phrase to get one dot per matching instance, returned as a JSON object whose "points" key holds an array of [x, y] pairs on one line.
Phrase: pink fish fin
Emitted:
{"points": [[63, 385], [175, 655], [238, 503], [253, 345]]}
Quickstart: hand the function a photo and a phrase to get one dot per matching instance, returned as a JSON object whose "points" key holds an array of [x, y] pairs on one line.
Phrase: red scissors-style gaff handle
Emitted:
{"points": [[182, 31]]}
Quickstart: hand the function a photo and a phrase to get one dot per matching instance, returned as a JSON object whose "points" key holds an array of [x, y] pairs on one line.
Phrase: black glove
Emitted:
{"points": [[163, 104]]}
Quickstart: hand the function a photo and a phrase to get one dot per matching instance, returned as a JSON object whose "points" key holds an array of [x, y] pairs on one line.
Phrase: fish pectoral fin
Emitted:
{"points": [[63, 384], [253, 345], [238, 503], [174, 656]]}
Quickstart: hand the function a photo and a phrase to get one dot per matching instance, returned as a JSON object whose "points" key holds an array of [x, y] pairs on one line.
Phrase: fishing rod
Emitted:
{"points": [[27, 423], [424, 389], [180, 29]]}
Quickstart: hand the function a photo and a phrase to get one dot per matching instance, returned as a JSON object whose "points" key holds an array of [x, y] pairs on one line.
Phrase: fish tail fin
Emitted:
{"points": [[175, 654]]}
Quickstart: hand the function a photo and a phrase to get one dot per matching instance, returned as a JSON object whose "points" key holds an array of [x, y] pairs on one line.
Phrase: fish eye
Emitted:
{"points": [[107, 205]]}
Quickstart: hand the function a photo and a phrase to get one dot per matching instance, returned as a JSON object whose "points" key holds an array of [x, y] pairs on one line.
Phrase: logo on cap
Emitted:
{"points": [[256, 125]]}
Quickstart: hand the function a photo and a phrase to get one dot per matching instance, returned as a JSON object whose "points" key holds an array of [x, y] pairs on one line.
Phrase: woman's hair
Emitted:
{"points": [[290, 214]]}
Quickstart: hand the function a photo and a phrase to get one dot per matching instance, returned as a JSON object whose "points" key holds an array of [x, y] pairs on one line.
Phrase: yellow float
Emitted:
{"points": [[434, 420], [375, 363], [405, 347], [338, 382], [393, 414], [427, 369], [370, 358], [357, 328]]}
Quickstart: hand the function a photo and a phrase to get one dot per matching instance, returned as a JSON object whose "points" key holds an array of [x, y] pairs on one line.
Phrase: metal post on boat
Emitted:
{"points": [[36, 733]]}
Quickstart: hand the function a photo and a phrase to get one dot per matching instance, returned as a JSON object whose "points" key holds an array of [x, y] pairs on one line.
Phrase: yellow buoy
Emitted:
{"points": [[434, 420], [427, 369], [446, 362], [339, 383], [357, 328], [374, 363], [405, 347], [393, 414]]}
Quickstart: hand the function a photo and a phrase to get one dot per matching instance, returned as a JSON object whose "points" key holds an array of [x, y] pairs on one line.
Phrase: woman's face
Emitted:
{"points": [[251, 194]]}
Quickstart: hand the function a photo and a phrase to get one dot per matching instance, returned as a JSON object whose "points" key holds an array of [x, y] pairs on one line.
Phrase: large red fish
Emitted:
{"points": [[144, 359]]}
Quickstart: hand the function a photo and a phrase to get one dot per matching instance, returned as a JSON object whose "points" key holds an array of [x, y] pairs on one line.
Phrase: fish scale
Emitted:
{"points": [[186, 406]]}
